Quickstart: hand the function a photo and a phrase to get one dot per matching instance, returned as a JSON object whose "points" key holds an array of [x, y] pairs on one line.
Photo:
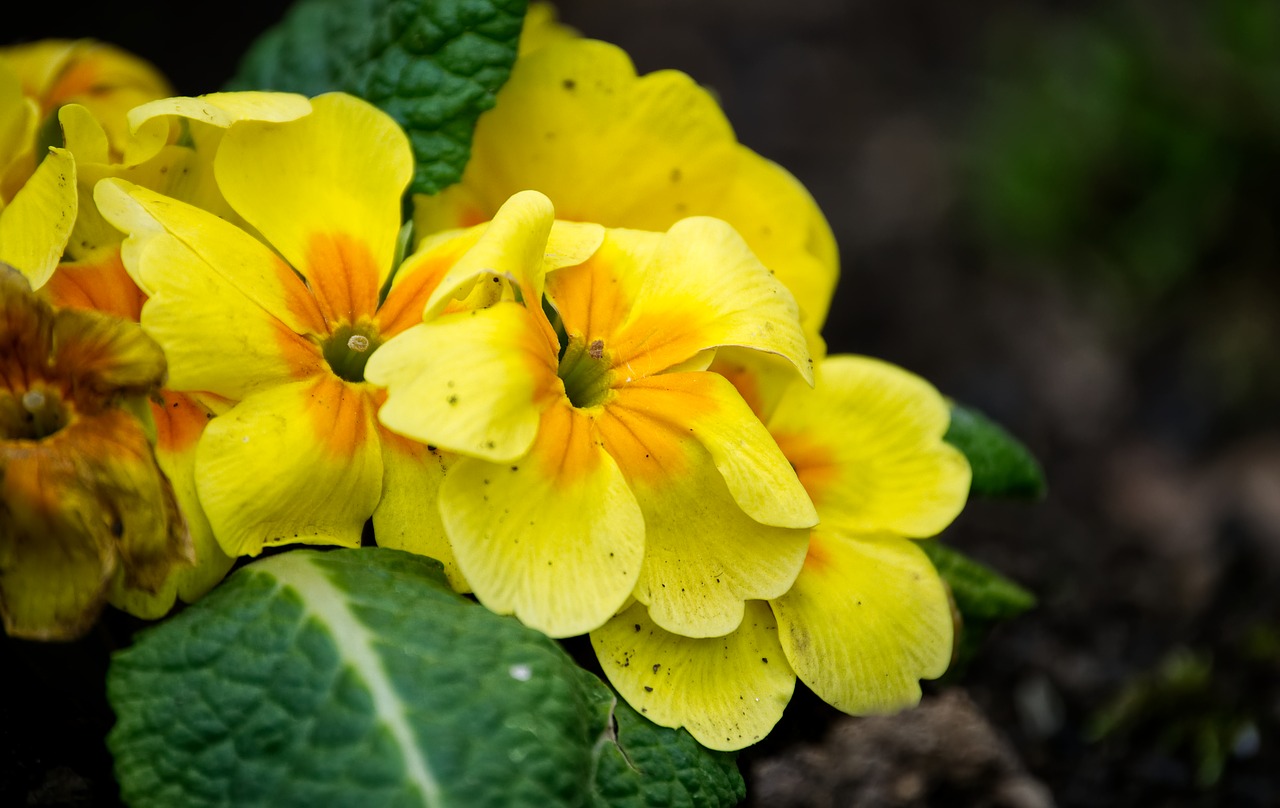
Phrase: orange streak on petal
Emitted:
{"points": [[813, 460], [471, 216], [403, 307], [343, 277], [818, 558], [589, 298], [657, 340], [566, 446], [303, 355], [645, 446], [180, 421], [744, 381], [101, 285], [342, 414]]}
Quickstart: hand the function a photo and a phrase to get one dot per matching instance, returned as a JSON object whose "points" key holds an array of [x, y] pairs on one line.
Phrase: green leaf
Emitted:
{"points": [[1002, 466], [982, 596], [357, 677], [981, 593], [433, 65], [653, 766]]}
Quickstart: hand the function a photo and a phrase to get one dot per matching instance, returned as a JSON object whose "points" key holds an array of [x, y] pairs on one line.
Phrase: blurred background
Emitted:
{"points": [[1063, 214]]}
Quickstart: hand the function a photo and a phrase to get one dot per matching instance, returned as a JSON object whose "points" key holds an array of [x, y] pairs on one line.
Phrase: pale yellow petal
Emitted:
{"points": [[323, 189], [728, 692], [34, 228], [556, 537], [704, 557], [408, 515], [868, 618], [867, 444], [473, 382], [297, 463]]}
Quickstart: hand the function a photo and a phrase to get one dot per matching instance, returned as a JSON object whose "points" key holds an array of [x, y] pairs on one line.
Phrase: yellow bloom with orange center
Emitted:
{"points": [[171, 151], [600, 459], [84, 508], [575, 122], [867, 616], [50, 73], [279, 320]]}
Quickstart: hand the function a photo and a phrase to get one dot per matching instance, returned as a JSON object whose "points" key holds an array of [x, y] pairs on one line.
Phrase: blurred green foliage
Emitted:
{"points": [[1137, 147], [1193, 703]]}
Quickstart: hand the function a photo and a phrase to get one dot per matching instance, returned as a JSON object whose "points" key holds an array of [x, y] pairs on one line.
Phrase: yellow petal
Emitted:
{"points": [[520, 246], [867, 444], [605, 146], [577, 124], [868, 618], [656, 300], [542, 28], [324, 190], [727, 691], [34, 228], [224, 109], [555, 538], [408, 515], [297, 463], [703, 556], [473, 382], [101, 284], [83, 135], [709, 409], [230, 314], [785, 229]]}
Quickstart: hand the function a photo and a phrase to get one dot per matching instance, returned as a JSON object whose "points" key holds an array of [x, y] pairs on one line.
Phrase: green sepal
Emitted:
{"points": [[433, 65], [1002, 465], [357, 677]]}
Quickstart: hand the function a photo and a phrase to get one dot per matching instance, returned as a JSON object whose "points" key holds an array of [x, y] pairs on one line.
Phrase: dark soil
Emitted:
{"points": [[1155, 556]]}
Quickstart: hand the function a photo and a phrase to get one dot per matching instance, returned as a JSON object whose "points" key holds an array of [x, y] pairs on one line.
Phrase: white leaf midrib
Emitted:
{"points": [[328, 603]]}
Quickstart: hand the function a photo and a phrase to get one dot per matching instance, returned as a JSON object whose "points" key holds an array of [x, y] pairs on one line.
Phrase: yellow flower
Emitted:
{"points": [[104, 79], [868, 616], [600, 458], [576, 123], [170, 151], [83, 506], [542, 27], [280, 320]]}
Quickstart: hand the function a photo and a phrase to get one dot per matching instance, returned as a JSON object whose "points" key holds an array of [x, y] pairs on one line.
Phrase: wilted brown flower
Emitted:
{"points": [[82, 501]]}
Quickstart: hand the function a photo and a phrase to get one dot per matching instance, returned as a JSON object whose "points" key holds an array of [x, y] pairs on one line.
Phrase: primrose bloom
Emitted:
{"points": [[171, 151], [599, 458], [867, 616], [575, 122], [85, 512], [279, 329], [38, 78]]}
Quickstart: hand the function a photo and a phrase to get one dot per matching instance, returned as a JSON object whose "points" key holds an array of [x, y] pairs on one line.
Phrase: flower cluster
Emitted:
{"points": [[592, 386]]}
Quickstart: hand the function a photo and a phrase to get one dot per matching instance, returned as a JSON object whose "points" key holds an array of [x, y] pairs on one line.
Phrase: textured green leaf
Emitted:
{"points": [[433, 65], [981, 593], [1002, 466], [658, 767], [356, 677]]}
